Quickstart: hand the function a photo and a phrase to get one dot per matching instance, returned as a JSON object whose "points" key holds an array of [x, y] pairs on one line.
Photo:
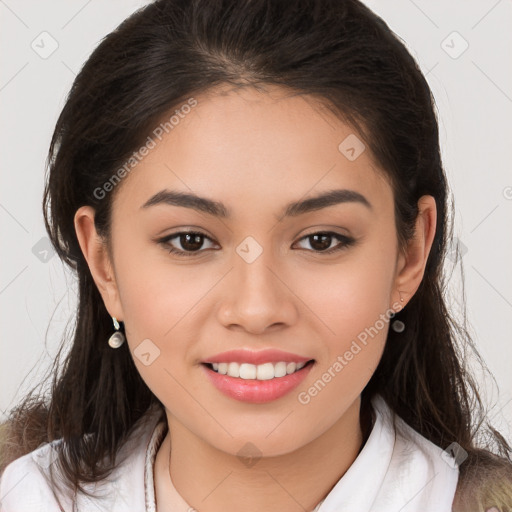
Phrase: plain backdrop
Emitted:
{"points": [[463, 47]]}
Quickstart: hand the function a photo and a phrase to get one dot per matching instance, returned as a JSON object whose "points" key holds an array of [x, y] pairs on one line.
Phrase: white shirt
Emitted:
{"points": [[397, 469]]}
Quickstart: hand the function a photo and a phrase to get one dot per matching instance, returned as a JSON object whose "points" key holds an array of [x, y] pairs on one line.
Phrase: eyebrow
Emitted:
{"points": [[293, 209]]}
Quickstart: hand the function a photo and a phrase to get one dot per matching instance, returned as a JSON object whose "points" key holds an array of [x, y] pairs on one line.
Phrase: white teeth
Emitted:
{"points": [[244, 370], [234, 370], [264, 371]]}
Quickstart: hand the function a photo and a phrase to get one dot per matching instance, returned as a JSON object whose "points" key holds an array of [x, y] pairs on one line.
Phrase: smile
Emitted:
{"points": [[264, 371], [256, 383]]}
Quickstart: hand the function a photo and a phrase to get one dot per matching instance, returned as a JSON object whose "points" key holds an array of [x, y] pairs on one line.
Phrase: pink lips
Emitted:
{"points": [[259, 357], [254, 390]]}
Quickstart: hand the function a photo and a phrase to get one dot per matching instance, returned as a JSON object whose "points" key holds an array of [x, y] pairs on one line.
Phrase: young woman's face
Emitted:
{"points": [[256, 279]]}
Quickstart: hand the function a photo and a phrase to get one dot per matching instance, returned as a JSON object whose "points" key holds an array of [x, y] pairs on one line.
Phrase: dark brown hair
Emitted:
{"points": [[340, 53]]}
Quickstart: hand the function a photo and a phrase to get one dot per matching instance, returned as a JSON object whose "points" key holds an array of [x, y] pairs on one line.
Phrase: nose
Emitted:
{"points": [[256, 298]]}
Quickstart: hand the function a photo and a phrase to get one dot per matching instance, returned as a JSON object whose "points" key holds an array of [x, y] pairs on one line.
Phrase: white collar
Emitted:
{"points": [[397, 470]]}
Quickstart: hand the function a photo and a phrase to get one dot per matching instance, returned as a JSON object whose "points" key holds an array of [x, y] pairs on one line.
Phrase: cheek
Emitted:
{"points": [[350, 357], [161, 303], [157, 294], [156, 310], [351, 302], [349, 297]]}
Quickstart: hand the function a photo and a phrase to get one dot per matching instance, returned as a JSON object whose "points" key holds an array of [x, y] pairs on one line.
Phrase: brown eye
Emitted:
{"points": [[321, 242], [191, 242]]}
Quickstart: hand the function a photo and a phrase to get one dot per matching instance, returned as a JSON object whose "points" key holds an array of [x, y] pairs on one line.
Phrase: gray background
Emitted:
{"points": [[44, 44]]}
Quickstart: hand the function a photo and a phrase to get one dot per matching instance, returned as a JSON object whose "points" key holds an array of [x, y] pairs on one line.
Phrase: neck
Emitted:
{"points": [[209, 479]]}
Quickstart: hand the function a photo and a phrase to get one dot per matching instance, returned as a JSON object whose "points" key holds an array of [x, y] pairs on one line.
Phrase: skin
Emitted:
{"points": [[255, 151]]}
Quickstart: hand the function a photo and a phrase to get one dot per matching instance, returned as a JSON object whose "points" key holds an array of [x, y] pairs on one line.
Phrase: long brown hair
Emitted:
{"points": [[338, 51]]}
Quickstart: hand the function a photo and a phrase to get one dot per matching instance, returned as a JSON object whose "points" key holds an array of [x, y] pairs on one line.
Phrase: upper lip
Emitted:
{"points": [[256, 357]]}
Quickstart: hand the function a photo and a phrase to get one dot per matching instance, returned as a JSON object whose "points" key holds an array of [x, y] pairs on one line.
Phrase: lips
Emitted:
{"points": [[256, 357], [253, 390]]}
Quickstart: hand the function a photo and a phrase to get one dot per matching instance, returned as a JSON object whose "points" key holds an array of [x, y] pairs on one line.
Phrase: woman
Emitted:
{"points": [[252, 196]]}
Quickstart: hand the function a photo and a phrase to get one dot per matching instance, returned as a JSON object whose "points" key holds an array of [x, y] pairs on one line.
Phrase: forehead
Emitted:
{"points": [[251, 147]]}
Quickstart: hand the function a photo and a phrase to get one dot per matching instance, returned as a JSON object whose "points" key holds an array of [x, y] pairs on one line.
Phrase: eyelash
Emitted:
{"points": [[346, 242]]}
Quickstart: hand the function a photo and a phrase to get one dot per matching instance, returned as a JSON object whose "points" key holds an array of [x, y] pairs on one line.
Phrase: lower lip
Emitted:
{"points": [[253, 390]]}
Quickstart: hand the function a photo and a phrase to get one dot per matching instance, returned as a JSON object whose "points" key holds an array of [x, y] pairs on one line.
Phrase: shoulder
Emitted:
{"points": [[412, 446], [26, 483], [486, 482], [420, 468], [475, 480]]}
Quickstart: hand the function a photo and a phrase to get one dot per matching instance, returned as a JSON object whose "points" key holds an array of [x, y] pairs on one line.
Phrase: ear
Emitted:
{"points": [[95, 252], [413, 260]]}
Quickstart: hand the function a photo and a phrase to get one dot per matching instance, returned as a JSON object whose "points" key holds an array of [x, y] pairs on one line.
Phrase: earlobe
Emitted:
{"points": [[413, 260], [96, 255]]}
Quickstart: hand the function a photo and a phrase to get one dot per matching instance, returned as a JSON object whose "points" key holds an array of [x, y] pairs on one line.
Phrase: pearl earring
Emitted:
{"points": [[398, 325], [117, 339]]}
